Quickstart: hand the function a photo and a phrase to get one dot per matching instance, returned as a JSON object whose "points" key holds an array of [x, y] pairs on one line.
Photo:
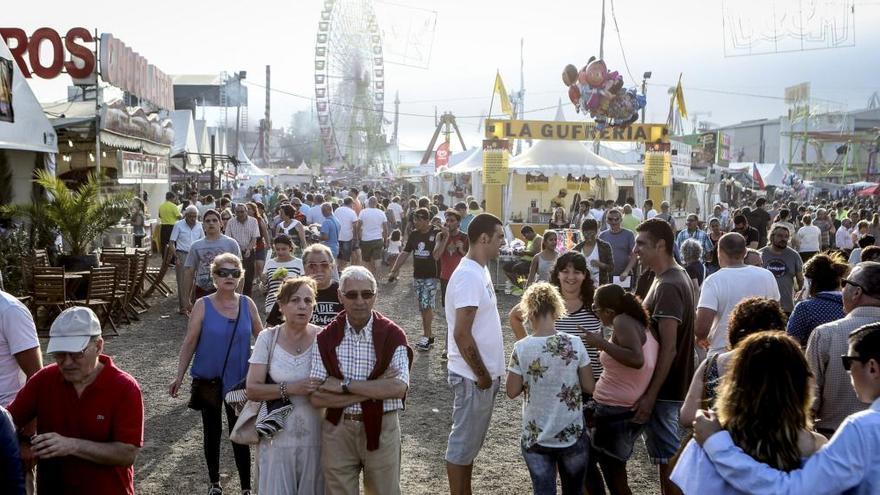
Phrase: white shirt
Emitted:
{"points": [[397, 210], [594, 271], [315, 215], [846, 464], [597, 215], [257, 197], [372, 220], [651, 213], [809, 237], [17, 334], [843, 239], [637, 212], [725, 288], [183, 235], [471, 286], [347, 218]]}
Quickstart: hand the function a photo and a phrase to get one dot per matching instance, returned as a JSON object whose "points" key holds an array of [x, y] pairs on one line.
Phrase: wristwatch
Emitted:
{"points": [[345, 383]]}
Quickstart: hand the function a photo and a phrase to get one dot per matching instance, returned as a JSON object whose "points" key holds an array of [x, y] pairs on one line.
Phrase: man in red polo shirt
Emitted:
{"points": [[90, 414]]}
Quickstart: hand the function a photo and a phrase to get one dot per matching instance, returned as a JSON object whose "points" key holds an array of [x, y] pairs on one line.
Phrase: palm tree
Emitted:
{"points": [[80, 215]]}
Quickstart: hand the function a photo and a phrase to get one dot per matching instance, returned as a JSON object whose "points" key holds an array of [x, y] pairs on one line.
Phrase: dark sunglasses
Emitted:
{"points": [[848, 361], [228, 272], [366, 295], [855, 284]]}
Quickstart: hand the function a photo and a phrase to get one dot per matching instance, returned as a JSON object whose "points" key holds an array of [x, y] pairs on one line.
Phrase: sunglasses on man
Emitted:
{"points": [[366, 295], [848, 361]]}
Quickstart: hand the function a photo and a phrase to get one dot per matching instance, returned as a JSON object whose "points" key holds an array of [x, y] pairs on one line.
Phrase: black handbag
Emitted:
{"points": [[207, 393]]}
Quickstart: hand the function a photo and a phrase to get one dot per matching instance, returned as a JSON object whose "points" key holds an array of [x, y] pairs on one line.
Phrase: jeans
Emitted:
{"points": [[212, 429], [571, 462], [248, 265]]}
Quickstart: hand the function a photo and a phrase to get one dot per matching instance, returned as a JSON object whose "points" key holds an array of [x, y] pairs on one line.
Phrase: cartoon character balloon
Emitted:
{"points": [[595, 90]]}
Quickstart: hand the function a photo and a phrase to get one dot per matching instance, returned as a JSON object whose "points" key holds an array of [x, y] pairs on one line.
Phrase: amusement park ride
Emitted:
{"points": [[350, 87]]}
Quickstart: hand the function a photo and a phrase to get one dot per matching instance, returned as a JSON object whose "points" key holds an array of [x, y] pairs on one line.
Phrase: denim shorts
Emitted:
{"points": [[426, 291], [614, 433], [662, 432], [569, 462], [471, 415], [344, 251]]}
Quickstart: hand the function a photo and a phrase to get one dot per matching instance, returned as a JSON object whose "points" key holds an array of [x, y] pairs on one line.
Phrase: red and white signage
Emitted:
{"points": [[119, 64], [441, 157]]}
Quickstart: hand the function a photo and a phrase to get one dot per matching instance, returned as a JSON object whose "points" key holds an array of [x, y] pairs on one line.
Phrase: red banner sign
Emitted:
{"points": [[441, 157], [67, 53]]}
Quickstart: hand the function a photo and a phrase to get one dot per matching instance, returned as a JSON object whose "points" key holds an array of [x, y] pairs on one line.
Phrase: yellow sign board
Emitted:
{"points": [[574, 131], [657, 170], [537, 182], [496, 160]]}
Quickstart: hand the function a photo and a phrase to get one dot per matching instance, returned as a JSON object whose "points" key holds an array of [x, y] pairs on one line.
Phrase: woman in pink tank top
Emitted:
{"points": [[628, 358]]}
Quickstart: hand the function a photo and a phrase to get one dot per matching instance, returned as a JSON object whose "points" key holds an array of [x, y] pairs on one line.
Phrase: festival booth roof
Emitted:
{"points": [[302, 169], [870, 191], [773, 174], [23, 125], [464, 162], [565, 158], [185, 143]]}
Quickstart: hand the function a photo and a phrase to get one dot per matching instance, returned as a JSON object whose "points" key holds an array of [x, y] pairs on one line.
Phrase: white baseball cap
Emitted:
{"points": [[73, 329]]}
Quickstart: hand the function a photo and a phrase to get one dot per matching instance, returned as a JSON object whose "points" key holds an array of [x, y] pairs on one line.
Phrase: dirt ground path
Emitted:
{"points": [[171, 461]]}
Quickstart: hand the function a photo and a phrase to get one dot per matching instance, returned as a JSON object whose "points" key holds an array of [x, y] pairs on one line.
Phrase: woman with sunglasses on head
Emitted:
{"points": [[218, 341], [628, 360], [289, 460], [318, 264]]}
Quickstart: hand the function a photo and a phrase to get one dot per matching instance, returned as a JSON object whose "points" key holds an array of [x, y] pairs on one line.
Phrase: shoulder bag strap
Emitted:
{"points": [[241, 302]]}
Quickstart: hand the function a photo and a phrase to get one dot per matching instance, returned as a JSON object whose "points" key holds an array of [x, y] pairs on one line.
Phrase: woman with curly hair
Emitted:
{"points": [[552, 371], [750, 316], [825, 272], [764, 403]]}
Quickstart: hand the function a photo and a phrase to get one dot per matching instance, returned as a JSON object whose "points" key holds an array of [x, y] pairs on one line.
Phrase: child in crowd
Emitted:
{"points": [[393, 250]]}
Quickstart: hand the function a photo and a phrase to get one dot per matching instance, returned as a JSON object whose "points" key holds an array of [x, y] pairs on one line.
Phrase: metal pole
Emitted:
{"points": [[213, 165], [602, 34], [645, 94], [237, 112], [97, 114]]}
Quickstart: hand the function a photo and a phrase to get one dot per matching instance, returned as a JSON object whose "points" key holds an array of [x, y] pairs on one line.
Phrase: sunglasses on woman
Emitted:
{"points": [[228, 272], [364, 294]]}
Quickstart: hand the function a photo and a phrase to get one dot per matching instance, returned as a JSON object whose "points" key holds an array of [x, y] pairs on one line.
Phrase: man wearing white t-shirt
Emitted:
{"points": [[636, 211], [397, 210], [348, 227], [373, 234], [650, 212], [725, 288], [476, 350]]}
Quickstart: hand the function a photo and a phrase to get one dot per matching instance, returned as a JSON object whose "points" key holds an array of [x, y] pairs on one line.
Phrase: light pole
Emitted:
{"points": [[645, 77], [238, 77]]}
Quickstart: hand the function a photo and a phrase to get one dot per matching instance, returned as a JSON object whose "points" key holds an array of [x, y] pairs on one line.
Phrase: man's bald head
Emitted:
{"points": [[733, 247]]}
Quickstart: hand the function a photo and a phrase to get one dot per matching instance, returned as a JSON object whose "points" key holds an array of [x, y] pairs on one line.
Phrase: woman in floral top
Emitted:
{"points": [[551, 369]]}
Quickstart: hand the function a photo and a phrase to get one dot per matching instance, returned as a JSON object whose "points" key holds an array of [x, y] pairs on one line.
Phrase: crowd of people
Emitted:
{"points": [[744, 349]]}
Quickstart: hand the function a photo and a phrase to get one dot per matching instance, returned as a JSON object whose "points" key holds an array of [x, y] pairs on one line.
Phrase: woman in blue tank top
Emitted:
{"points": [[218, 342]]}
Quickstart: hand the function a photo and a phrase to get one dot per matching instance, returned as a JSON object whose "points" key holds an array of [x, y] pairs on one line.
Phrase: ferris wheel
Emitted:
{"points": [[350, 85]]}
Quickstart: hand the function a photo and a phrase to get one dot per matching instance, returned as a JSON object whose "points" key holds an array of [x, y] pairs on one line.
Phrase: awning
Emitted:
{"points": [[23, 125]]}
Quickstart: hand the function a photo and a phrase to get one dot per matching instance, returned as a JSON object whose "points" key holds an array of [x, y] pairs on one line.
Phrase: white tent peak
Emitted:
{"points": [[560, 115]]}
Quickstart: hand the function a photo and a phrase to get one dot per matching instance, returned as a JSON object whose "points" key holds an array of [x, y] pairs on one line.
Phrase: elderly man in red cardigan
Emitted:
{"points": [[364, 363]]}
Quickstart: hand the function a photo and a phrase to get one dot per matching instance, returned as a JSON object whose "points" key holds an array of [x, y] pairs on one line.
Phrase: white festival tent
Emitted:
{"points": [[773, 174]]}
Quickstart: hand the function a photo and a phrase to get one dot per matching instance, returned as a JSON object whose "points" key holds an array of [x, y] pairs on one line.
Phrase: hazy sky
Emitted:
{"points": [[473, 39]]}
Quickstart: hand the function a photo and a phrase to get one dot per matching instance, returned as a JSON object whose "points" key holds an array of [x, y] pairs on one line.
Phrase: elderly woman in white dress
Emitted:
{"points": [[290, 461]]}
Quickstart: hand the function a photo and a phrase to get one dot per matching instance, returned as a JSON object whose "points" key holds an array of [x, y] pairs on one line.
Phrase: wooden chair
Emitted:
{"points": [[112, 251], [155, 277], [41, 257], [122, 290], [50, 290], [101, 295], [140, 261]]}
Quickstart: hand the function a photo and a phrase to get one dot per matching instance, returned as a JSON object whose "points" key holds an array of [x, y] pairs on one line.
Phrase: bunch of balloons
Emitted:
{"points": [[599, 92]]}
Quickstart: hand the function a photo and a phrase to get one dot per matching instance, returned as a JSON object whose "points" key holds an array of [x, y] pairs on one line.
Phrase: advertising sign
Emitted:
{"points": [[137, 166], [67, 54], [537, 182], [577, 183], [441, 157], [496, 160], [657, 169], [574, 131]]}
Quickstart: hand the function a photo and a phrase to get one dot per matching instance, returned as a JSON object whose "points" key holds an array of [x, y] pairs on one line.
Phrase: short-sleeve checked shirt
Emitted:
{"points": [[357, 358], [698, 235], [243, 232]]}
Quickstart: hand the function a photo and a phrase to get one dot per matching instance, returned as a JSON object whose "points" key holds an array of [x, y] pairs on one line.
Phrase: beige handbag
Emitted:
{"points": [[245, 430]]}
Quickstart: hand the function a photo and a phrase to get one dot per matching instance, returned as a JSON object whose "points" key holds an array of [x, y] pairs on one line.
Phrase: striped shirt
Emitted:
{"points": [[583, 317], [357, 358], [294, 268]]}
